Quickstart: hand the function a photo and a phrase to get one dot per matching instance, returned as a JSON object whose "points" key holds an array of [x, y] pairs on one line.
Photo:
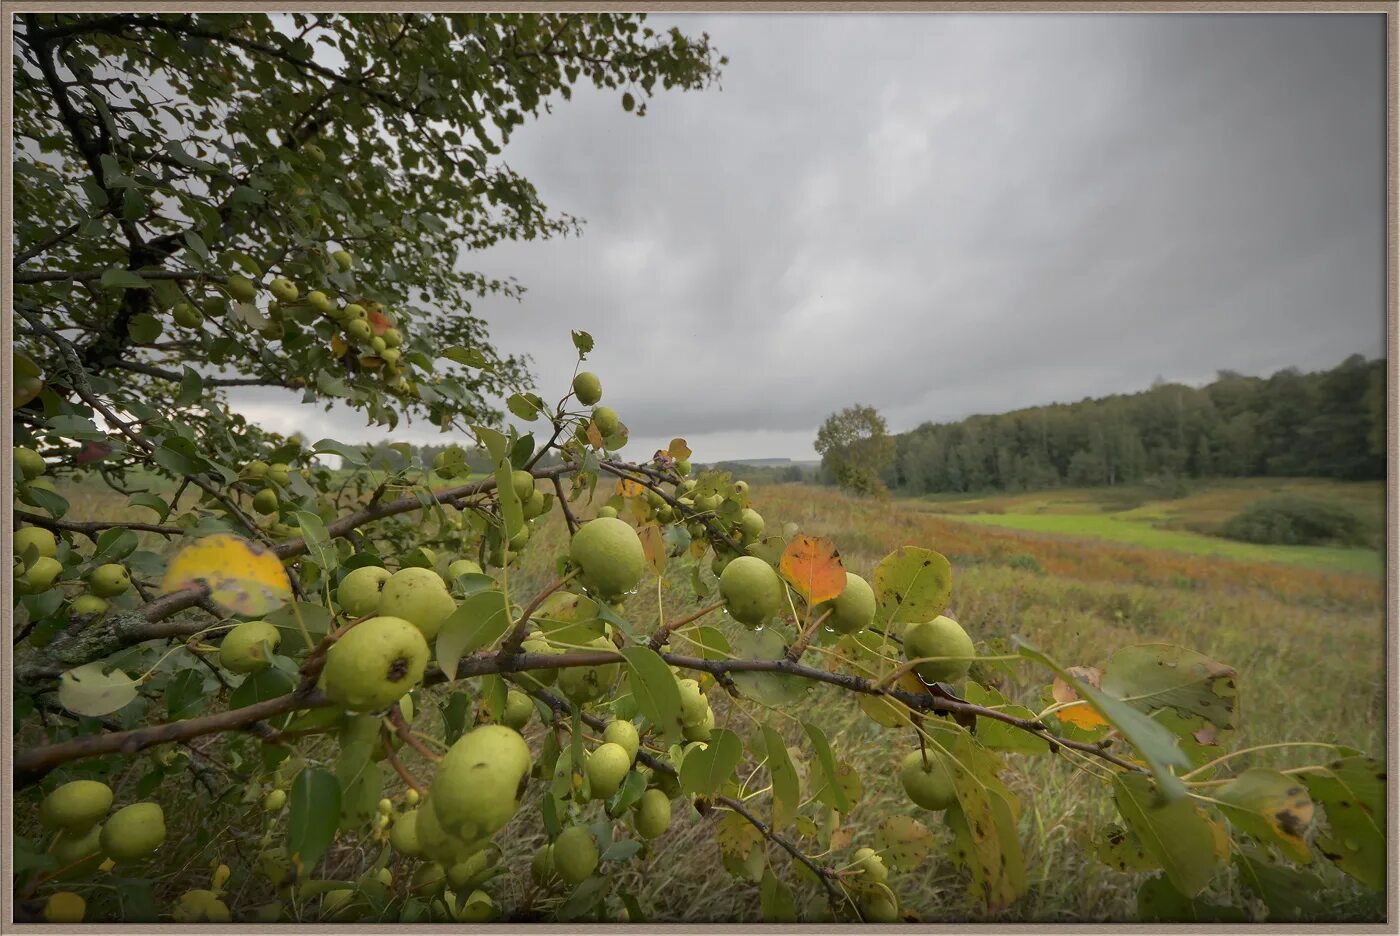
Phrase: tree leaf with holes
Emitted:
{"points": [[1188, 845], [1351, 791], [1270, 806], [91, 689]]}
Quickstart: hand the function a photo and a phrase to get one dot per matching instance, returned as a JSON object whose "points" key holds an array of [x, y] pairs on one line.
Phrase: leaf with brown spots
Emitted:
{"points": [[903, 842], [1351, 792], [1187, 844], [984, 824], [1151, 677], [812, 566], [1272, 807], [242, 577], [913, 584], [1120, 849]]}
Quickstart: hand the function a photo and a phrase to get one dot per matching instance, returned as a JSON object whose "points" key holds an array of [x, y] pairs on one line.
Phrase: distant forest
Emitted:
{"points": [[1325, 424]]}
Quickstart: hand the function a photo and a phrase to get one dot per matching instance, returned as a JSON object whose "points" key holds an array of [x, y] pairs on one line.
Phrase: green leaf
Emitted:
{"points": [[479, 621], [88, 690], [1160, 902], [313, 815], [775, 903], [184, 695], [143, 328], [122, 279], [1187, 844], [359, 780], [1150, 677], [259, 687], [498, 446], [314, 617], [583, 341], [522, 407], [191, 387], [1291, 895], [656, 691], [999, 736], [114, 545], [152, 502], [1121, 849], [904, 842], [470, 357], [1155, 743], [826, 764], [787, 793], [1270, 806], [984, 822], [767, 688], [318, 539], [705, 770], [913, 584], [1352, 793]]}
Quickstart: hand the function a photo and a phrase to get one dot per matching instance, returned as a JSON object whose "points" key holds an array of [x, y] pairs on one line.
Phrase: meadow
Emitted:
{"points": [[1306, 638]]}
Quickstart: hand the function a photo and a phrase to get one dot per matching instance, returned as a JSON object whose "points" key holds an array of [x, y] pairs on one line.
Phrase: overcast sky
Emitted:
{"points": [[943, 215]]}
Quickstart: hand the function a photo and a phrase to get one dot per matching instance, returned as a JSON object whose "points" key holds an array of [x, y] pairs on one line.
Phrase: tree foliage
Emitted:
{"points": [[856, 448], [348, 688], [1327, 424]]}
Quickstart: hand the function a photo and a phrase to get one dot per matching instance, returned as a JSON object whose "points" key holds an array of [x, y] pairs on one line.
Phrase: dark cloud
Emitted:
{"points": [[946, 214]]}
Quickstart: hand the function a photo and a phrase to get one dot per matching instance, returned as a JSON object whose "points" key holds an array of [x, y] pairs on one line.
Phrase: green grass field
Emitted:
{"points": [[1143, 517]]}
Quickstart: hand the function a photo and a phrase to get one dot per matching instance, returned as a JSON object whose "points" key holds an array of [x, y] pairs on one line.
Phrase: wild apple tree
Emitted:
{"points": [[340, 660]]}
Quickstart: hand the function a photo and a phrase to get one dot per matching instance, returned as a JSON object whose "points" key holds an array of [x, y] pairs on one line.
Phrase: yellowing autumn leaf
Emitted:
{"points": [[1081, 715], [812, 565], [242, 577]]}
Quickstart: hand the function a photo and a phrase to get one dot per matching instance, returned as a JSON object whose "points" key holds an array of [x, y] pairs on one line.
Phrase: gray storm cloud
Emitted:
{"points": [[946, 214]]}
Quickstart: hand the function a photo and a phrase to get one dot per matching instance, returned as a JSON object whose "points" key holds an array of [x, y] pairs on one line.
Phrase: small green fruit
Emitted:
{"points": [[606, 511], [29, 462], [750, 523], [76, 806], [265, 501], [374, 664], [359, 329], [880, 907], [242, 288], [871, 866], [319, 301], [358, 593], [853, 609], [284, 290], [752, 591], [607, 421], [575, 854], [588, 389], [89, 605], [64, 907], [343, 260], [479, 782], [542, 864], [584, 684], [72, 847], [275, 800], [403, 835], [653, 814], [607, 767], [928, 785], [200, 906], [134, 831], [419, 596], [519, 708], [623, 733], [41, 539], [941, 637], [460, 567], [249, 647], [109, 580], [610, 555], [40, 576]]}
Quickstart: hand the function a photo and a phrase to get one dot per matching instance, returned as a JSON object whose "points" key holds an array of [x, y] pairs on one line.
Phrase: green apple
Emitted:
{"points": [[265, 501], [40, 576], [851, 610], [607, 421], [319, 301], [750, 523], [575, 854], [607, 767], [359, 329], [588, 388], [109, 580], [133, 831], [941, 637], [39, 538], [623, 733], [255, 470], [343, 259], [419, 596], [76, 806], [279, 473], [359, 592], [187, 316], [29, 462], [392, 338], [89, 606], [354, 311], [927, 778], [249, 647], [653, 815]]}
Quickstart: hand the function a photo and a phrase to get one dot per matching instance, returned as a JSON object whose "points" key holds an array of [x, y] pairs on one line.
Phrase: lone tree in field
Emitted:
{"points": [[349, 683], [856, 448]]}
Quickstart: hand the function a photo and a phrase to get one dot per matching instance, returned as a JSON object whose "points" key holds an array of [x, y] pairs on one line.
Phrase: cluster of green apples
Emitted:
{"points": [[38, 568], [31, 475], [272, 479], [204, 905], [83, 841]]}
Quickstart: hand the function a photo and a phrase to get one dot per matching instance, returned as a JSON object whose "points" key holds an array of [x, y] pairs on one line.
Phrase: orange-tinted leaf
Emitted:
{"points": [[654, 545], [339, 347], [243, 577], [678, 449], [1083, 715], [628, 488], [812, 565], [595, 438], [379, 322]]}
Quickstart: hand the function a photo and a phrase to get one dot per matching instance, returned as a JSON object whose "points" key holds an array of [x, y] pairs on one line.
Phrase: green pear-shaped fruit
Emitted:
{"points": [[624, 733], [750, 523], [249, 647], [187, 316], [542, 864], [134, 831], [436, 843], [700, 731], [607, 767], [265, 501], [610, 555], [241, 288], [694, 705], [941, 637], [29, 462], [359, 592], [460, 567], [419, 596], [200, 906], [472, 871], [109, 580], [475, 908], [319, 301], [40, 576], [76, 806], [584, 684], [880, 907], [752, 591], [279, 473], [403, 834], [255, 470], [871, 867], [607, 511], [72, 847], [374, 663], [39, 538], [575, 854], [519, 708], [588, 388], [479, 782], [607, 421], [359, 329], [428, 880], [927, 779], [523, 483], [343, 260], [89, 605], [653, 814], [851, 610], [274, 800]]}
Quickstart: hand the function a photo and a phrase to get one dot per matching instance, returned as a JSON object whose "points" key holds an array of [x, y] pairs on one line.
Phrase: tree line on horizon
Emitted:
{"points": [[1327, 424]]}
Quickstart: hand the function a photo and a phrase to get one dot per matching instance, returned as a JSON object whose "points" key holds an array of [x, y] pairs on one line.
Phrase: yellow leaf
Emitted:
{"points": [[1079, 714], [654, 546], [628, 488], [242, 577], [678, 449], [812, 565]]}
